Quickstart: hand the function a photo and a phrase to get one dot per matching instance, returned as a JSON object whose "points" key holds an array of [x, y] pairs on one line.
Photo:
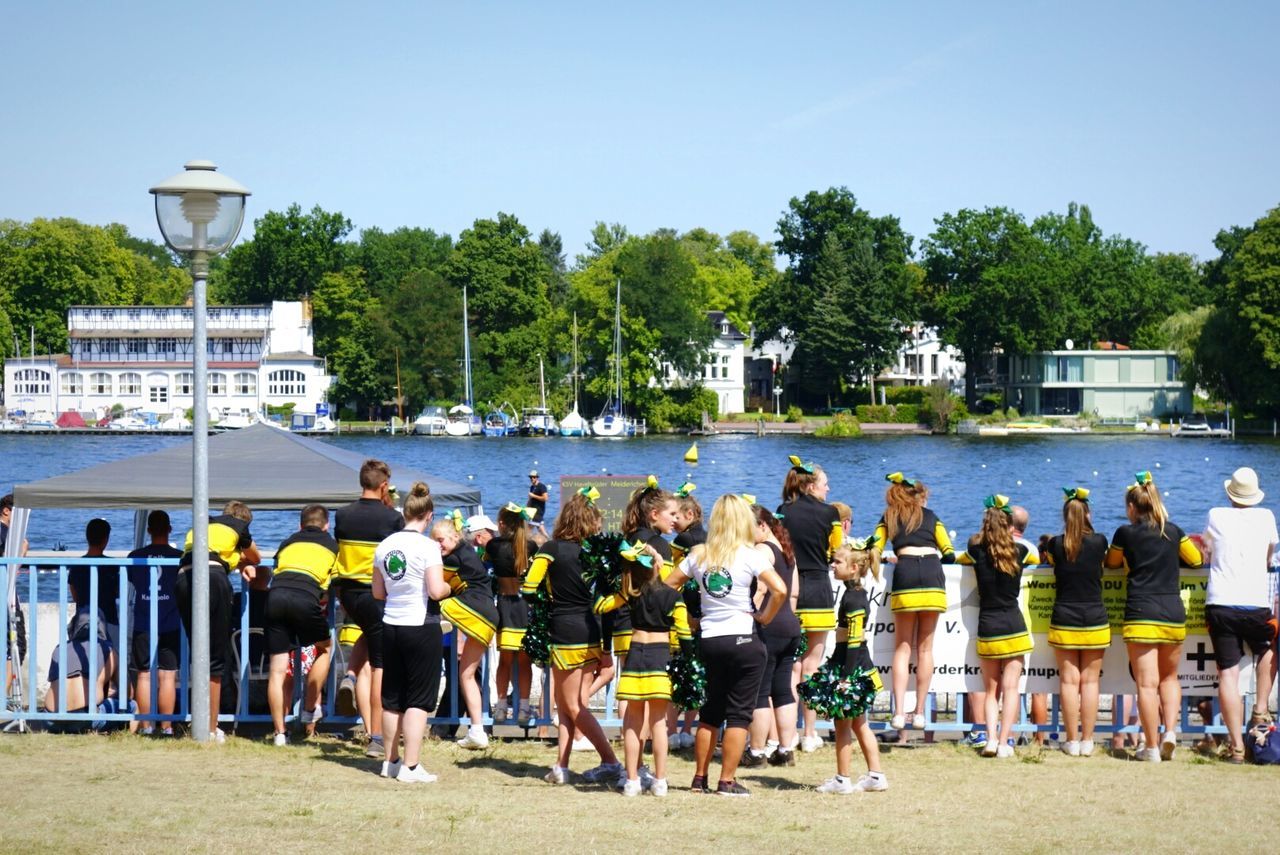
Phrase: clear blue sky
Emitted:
{"points": [[1163, 117]]}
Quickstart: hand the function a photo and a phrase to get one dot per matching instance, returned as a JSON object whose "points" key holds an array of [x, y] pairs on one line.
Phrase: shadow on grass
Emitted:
{"points": [[503, 765], [771, 782], [346, 754]]}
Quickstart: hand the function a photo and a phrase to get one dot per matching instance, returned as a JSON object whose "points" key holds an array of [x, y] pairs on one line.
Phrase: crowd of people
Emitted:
{"points": [[750, 595]]}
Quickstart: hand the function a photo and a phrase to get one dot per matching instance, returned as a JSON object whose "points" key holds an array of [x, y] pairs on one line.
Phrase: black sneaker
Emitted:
{"points": [[732, 788], [699, 784], [782, 757], [751, 760]]}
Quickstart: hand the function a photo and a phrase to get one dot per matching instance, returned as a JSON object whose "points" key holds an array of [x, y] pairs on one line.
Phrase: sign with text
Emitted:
{"points": [[615, 493]]}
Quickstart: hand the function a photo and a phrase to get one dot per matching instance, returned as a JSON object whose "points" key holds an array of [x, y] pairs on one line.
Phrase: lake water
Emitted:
{"points": [[959, 471]]}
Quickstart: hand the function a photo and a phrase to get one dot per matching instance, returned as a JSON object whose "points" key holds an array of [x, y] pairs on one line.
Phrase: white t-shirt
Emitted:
{"points": [[402, 560], [726, 592], [1239, 538]]}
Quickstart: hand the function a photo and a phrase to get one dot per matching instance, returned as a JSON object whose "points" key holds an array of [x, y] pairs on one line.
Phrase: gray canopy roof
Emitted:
{"points": [[265, 467]]}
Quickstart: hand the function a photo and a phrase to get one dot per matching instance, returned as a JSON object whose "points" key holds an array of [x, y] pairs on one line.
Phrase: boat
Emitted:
{"points": [[177, 422], [128, 421], [574, 424], [501, 423], [463, 420], [1196, 426], [612, 421], [227, 419], [431, 421], [538, 421], [312, 423]]}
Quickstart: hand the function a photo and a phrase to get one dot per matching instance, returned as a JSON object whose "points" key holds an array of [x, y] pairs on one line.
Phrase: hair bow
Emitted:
{"points": [[999, 502], [899, 478], [526, 513], [591, 494], [748, 498], [456, 516], [1081, 493], [797, 463], [860, 544], [1142, 479], [635, 552], [685, 489], [651, 483]]}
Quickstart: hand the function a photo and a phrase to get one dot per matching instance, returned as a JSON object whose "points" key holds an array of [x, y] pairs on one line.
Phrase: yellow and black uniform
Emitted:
{"points": [[694, 535], [852, 618], [575, 632], [1079, 619], [471, 608], [513, 611], [657, 609], [814, 527], [781, 637], [228, 536], [293, 616], [918, 581], [1002, 630], [1153, 608], [617, 624], [359, 527]]}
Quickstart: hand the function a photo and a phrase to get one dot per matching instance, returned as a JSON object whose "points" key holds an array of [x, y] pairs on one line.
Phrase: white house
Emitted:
{"points": [[924, 360], [140, 357], [723, 372]]}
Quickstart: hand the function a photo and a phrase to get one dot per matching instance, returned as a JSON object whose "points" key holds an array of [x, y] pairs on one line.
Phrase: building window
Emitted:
{"points": [[158, 388], [108, 345], [934, 363], [31, 381], [184, 383], [246, 383], [167, 346], [130, 384], [100, 383], [286, 382], [137, 345], [217, 383], [72, 383], [1064, 369], [228, 346], [1171, 374]]}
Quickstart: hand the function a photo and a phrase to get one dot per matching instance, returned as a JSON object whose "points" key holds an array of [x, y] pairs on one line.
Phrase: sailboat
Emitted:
{"points": [[463, 420], [611, 421], [574, 424], [538, 421], [501, 423]]}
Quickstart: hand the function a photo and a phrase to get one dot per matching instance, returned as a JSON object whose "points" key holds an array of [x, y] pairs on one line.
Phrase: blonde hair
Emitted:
{"points": [[1075, 515], [1145, 499], [845, 512], [996, 537], [732, 527], [419, 504], [446, 527], [863, 561], [904, 508]]}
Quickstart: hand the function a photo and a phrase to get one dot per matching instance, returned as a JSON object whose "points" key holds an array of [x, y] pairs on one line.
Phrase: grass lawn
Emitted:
{"points": [[126, 794]]}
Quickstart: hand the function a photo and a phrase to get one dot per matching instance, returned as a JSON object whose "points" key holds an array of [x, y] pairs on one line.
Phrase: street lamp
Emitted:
{"points": [[200, 213]]}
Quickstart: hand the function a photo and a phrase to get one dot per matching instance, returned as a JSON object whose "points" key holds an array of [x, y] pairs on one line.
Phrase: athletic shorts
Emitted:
{"points": [[293, 618], [735, 665], [168, 649], [358, 602], [1230, 629], [411, 667], [221, 607], [775, 679]]}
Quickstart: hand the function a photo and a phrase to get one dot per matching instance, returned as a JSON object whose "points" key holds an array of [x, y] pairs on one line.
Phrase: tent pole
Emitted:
{"points": [[200, 729]]}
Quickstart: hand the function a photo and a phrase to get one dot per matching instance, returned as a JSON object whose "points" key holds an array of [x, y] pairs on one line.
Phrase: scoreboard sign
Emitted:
{"points": [[615, 492]]}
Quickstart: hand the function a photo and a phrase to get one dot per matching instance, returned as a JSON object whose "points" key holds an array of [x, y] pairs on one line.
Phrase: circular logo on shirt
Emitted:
{"points": [[396, 564], [718, 583]]}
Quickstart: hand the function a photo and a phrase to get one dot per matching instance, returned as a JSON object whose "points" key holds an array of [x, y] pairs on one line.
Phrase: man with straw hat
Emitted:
{"points": [[1238, 608]]}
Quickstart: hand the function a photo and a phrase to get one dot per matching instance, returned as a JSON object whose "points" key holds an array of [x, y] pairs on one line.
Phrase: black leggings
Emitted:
{"points": [[735, 664], [221, 613], [775, 681]]}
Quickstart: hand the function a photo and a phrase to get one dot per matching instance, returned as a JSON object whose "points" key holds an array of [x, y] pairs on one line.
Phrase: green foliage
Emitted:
{"points": [[905, 414], [941, 409], [841, 425], [907, 394], [286, 259], [679, 408], [794, 414]]}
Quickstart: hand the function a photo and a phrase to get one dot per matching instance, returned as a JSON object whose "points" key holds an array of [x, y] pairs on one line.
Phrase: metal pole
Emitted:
{"points": [[200, 495]]}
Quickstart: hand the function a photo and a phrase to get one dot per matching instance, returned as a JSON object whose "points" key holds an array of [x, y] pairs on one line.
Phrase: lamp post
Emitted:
{"points": [[200, 213]]}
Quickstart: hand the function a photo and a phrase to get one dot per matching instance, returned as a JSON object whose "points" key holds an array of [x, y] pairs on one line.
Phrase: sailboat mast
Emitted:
{"points": [[617, 341], [575, 362], [466, 350]]}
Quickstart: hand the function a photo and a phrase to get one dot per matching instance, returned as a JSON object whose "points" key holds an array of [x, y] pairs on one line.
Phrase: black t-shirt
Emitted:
{"points": [[108, 589], [997, 591], [1152, 557], [785, 624], [1078, 581], [465, 561], [539, 504], [359, 527], [809, 522]]}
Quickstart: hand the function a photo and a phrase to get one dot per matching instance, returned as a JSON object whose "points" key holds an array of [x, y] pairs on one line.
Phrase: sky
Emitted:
{"points": [[1163, 117]]}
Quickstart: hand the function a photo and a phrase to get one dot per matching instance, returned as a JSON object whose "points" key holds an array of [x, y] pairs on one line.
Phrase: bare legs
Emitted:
{"points": [[1155, 670], [1079, 672], [913, 630], [576, 717], [1000, 678], [470, 652], [809, 664]]}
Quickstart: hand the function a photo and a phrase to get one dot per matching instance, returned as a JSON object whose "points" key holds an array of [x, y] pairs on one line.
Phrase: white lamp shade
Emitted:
{"points": [[199, 209]]}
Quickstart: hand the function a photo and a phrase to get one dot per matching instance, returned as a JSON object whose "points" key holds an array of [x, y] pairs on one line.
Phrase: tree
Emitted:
{"points": [[286, 259], [604, 237], [391, 258], [552, 248], [343, 326], [729, 271]]}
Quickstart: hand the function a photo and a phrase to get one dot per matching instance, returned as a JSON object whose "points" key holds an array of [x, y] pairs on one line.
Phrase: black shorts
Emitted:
{"points": [[293, 618], [775, 680], [735, 664], [1230, 629], [411, 667], [221, 608], [168, 648], [358, 602]]}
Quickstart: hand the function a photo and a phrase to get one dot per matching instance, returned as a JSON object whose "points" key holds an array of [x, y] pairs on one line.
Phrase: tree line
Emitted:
{"points": [[387, 306]]}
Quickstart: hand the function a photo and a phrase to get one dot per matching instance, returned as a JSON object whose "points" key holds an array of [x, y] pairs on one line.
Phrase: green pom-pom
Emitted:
{"points": [[601, 563], [832, 693], [688, 680], [802, 647], [537, 636]]}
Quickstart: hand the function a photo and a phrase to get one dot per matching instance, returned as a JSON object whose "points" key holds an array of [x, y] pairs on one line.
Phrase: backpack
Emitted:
{"points": [[1263, 745]]}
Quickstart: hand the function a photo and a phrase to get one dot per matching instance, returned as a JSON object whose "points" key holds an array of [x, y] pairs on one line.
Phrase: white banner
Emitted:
{"points": [[956, 663]]}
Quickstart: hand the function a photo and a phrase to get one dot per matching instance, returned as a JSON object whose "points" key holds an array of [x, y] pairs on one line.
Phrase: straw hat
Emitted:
{"points": [[1243, 487]]}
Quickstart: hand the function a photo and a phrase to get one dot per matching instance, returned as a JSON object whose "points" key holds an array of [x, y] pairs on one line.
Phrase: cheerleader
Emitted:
{"points": [[920, 548], [815, 530], [1151, 548], [575, 635], [509, 553], [691, 533], [473, 614], [1079, 631], [776, 702], [656, 611], [650, 514], [1003, 639], [851, 563]]}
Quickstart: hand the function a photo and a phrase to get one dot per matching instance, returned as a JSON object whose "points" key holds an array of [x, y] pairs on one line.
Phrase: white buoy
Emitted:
{"points": [[1095, 473], [1157, 465], [984, 466], [1206, 460], [1048, 460], [471, 477], [1166, 494], [1019, 483], [952, 534]]}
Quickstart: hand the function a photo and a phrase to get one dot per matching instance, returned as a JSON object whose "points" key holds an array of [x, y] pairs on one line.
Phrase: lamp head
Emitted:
{"points": [[199, 209]]}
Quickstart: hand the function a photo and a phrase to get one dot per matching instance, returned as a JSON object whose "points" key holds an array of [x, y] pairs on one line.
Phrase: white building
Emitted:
{"points": [[723, 372], [924, 360], [141, 358]]}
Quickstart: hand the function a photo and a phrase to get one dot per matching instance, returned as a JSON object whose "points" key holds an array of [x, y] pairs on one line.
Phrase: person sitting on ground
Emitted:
{"points": [[295, 614], [168, 643], [77, 670]]}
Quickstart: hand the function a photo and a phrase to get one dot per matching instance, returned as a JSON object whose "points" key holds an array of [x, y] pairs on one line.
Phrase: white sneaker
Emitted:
{"points": [[1086, 747], [280, 740], [1168, 744], [810, 744], [475, 740], [500, 713], [991, 748], [218, 736], [1004, 751], [837, 785], [390, 769], [898, 722], [557, 775], [1071, 749], [658, 787], [582, 744], [770, 747], [310, 718], [603, 774], [631, 787], [416, 775], [872, 784], [1149, 755]]}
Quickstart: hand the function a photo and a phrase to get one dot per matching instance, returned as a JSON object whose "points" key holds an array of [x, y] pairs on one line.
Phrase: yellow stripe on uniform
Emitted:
{"points": [[1080, 638], [622, 642], [471, 622], [644, 686], [511, 639], [1005, 646], [1154, 632], [817, 620], [355, 560], [569, 657], [919, 600], [313, 560]]}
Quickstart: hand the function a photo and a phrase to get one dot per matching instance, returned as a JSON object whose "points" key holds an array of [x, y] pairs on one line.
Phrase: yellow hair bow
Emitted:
{"points": [[652, 482], [748, 498], [526, 513], [591, 494], [635, 552], [456, 517], [685, 489], [899, 478], [797, 463], [1081, 493], [999, 502]]}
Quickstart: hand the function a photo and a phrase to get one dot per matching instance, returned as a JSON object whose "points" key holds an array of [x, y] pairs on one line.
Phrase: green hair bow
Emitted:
{"points": [[797, 463], [1142, 479], [685, 489], [899, 478], [526, 513], [860, 544], [591, 494], [1081, 493], [455, 516], [999, 502], [635, 552]]}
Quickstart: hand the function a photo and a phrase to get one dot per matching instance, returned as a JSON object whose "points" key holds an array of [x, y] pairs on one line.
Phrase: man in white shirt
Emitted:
{"points": [[1238, 608]]}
